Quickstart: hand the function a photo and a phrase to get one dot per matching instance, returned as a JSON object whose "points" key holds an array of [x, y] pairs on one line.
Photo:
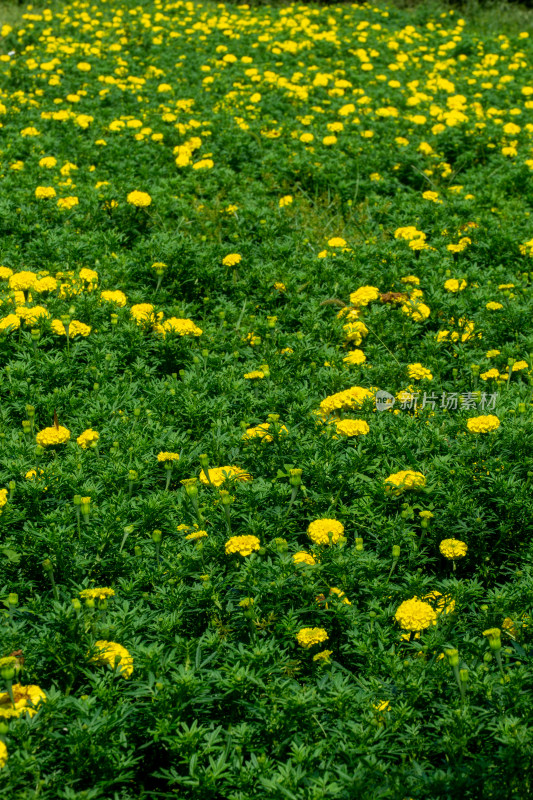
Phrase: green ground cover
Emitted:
{"points": [[266, 355]]}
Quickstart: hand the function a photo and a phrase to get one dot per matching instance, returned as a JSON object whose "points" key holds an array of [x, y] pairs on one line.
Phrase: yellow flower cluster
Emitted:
{"points": [[232, 259], [301, 557], [164, 456], [262, 432], [88, 438], [351, 427], [115, 655], [101, 593], [417, 372], [218, 475], [244, 545], [117, 297], [349, 398], [404, 480], [307, 637], [355, 357], [320, 529], [483, 423], [364, 295], [415, 615], [52, 436], [27, 700], [75, 328], [139, 199], [453, 548]]}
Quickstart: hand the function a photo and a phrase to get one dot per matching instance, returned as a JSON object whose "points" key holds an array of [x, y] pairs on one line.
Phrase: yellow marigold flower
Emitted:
{"points": [[349, 398], [319, 530], [401, 481], [355, 357], [232, 259], [10, 323], [30, 132], [22, 281], [261, 432], [453, 285], [46, 284], [26, 699], [45, 192], [115, 655], [67, 203], [89, 276], [101, 593], [244, 545], [183, 327], [256, 374], [75, 328], [3, 754], [5, 273], [490, 374], [411, 279], [416, 310], [280, 287], [351, 427], [354, 331], [32, 315], [324, 655], [218, 475], [417, 372], [139, 199], [483, 424], [453, 548], [303, 558], [3, 497], [307, 637], [285, 201], [48, 162], [364, 295], [87, 438], [408, 233], [53, 435], [165, 456], [519, 365], [117, 297], [204, 163], [415, 615], [336, 241], [433, 196], [196, 535], [492, 306], [142, 312]]}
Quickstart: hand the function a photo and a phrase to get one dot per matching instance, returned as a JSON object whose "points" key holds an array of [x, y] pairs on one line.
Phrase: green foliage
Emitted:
{"points": [[305, 171]]}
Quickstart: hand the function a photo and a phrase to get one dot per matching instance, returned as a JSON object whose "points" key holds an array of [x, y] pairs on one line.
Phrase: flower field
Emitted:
{"points": [[266, 353]]}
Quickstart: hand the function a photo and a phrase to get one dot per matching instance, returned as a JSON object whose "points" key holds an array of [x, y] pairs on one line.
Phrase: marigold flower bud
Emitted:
{"points": [[494, 637], [453, 657], [157, 535], [295, 477], [396, 551], [13, 599]]}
